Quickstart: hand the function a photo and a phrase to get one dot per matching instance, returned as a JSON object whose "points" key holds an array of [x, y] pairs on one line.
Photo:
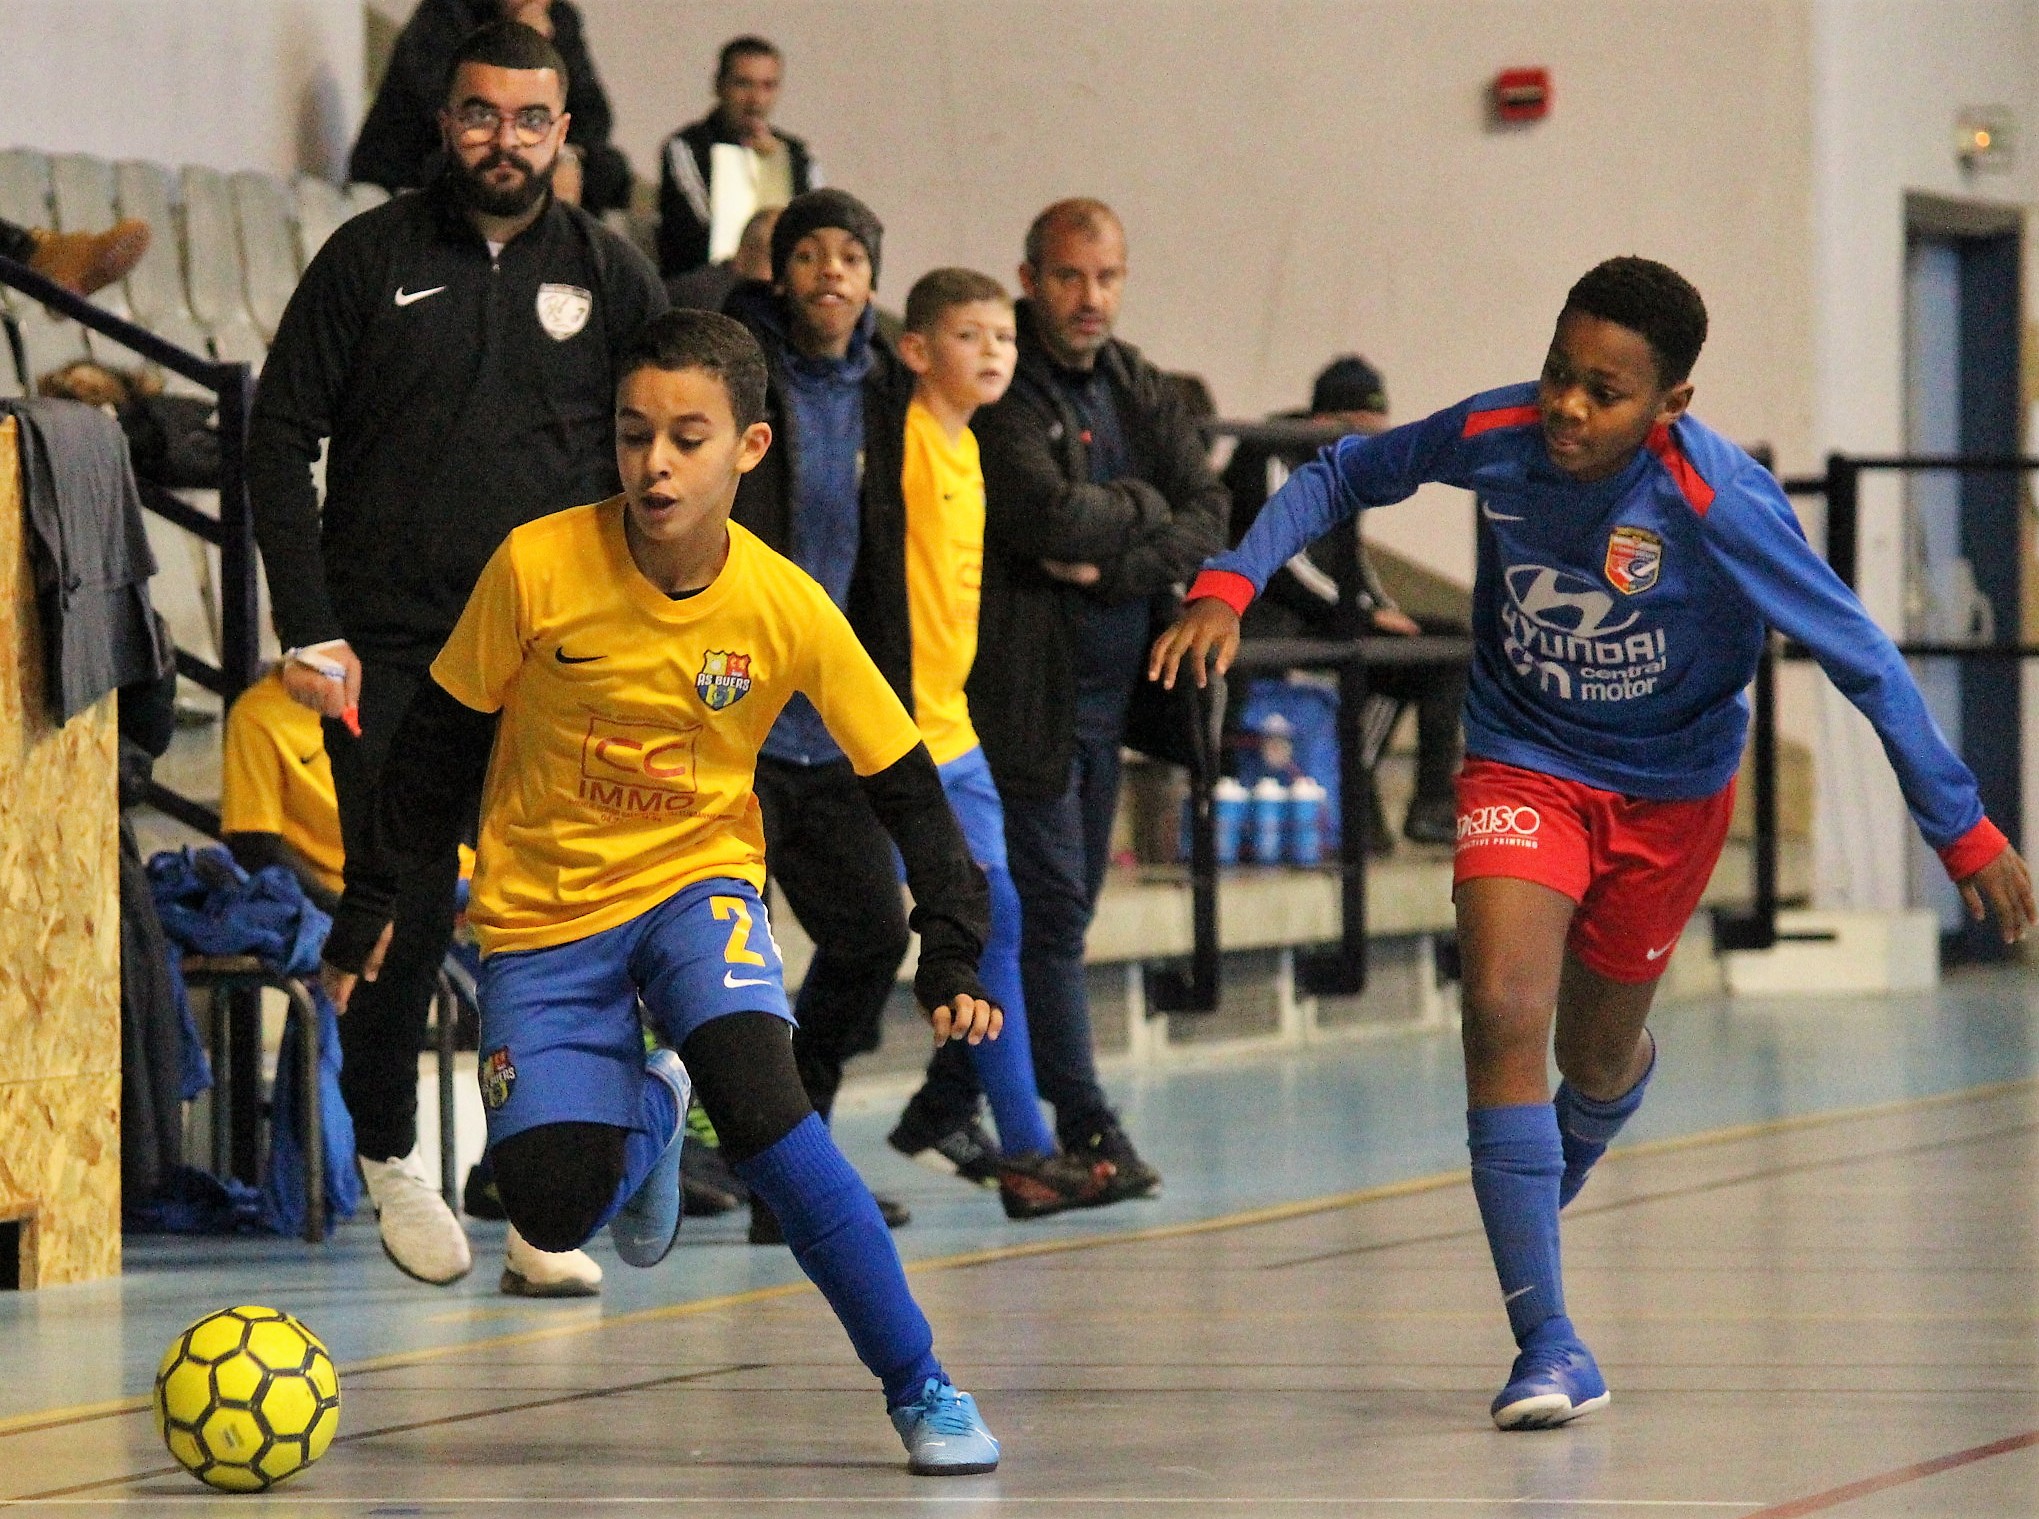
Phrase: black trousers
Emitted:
{"points": [[15, 243], [385, 1023], [834, 862], [1438, 693]]}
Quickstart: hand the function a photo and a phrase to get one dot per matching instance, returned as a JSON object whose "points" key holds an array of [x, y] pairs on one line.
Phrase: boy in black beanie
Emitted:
{"points": [[828, 497]]}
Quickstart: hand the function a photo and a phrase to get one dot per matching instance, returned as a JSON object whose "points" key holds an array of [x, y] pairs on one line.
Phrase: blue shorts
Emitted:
{"points": [[560, 1037]]}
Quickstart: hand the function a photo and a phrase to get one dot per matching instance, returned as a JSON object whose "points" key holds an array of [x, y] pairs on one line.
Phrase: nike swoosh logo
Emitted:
{"points": [[306, 759], [411, 297], [1493, 516], [1518, 1292], [565, 658], [1658, 954], [729, 979]]}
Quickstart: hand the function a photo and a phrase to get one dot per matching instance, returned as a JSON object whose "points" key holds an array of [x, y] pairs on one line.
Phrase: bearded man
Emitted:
{"points": [[454, 349]]}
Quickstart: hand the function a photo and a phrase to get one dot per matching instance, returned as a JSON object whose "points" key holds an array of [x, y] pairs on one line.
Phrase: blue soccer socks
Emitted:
{"points": [[1517, 1162], [1588, 1125], [836, 1233], [646, 1215], [1005, 1065]]}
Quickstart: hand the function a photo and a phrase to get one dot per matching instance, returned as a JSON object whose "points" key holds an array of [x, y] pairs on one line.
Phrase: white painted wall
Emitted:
{"points": [[259, 84], [1302, 178], [1889, 78]]}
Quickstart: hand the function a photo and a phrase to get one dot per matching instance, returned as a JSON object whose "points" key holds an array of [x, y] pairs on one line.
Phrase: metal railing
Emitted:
{"points": [[231, 532]]}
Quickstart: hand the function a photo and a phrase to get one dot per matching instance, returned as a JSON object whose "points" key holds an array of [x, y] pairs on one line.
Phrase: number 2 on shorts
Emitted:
{"points": [[738, 950]]}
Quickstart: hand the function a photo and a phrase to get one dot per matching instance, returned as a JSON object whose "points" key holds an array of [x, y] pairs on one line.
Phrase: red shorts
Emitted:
{"points": [[1636, 868]]}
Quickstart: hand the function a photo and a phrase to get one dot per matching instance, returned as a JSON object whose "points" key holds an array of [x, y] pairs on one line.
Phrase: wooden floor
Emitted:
{"points": [[1811, 1285]]}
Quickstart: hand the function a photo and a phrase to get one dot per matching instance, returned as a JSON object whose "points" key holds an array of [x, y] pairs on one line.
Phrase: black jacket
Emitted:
{"points": [[1146, 533], [462, 397], [1337, 600], [399, 142], [89, 553], [877, 607], [683, 189]]}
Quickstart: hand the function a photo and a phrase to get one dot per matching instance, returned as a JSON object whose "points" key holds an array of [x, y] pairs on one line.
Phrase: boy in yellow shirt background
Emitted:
{"points": [[961, 345]]}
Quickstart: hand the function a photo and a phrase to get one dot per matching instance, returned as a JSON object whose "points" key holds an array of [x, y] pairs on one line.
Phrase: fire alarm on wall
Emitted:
{"points": [[1520, 95]]}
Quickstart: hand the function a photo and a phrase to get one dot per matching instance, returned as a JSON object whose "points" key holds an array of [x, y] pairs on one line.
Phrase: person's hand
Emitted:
{"points": [[1207, 629], [1072, 574], [1396, 621], [339, 984], [317, 686], [971, 1019], [2003, 890]]}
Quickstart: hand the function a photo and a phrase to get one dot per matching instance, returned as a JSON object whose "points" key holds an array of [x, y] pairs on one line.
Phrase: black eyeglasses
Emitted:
{"points": [[481, 123]]}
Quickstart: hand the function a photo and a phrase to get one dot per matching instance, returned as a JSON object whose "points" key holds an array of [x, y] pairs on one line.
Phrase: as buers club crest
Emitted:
{"points": [[1634, 555], [563, 310], [498, 1075], [724, 679]]}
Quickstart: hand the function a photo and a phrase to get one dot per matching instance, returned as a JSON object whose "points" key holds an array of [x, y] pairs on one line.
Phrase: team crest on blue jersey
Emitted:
{"points": [[724, 679], [498, 1076], [1634, 555]]}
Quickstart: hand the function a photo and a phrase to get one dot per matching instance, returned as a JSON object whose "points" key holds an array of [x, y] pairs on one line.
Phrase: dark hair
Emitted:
{"points": [[1652, 299], [1078, 214], [682, 339], [746, 46], [942, 290], [508, 45]]}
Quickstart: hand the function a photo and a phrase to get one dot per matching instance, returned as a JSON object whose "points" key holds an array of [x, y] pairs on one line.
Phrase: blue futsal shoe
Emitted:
{"points": [[645, 1227], [944, 1434], [1552, 1383]]}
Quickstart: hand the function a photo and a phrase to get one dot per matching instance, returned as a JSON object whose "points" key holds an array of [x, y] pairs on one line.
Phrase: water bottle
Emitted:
{"points": [[1228, 810], [1306, 822], [1270, 815]]}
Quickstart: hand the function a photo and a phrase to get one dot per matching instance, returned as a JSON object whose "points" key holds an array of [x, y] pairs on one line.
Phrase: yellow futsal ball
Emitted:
{"points": [[245, 1397]]}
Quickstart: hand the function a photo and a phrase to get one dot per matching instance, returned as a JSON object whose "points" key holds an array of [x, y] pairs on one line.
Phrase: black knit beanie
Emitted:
{"points": [[825, 208]]}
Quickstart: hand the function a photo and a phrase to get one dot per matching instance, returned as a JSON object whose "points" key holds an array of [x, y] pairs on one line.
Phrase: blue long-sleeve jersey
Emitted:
{"points": [[1617, 624]]}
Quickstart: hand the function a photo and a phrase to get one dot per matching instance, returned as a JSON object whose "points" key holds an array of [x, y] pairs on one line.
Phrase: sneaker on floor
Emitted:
{"points": [[1034, 1186], [954, 1149], [1551, 1384], [1431, 820], [645, 1227], [708, 1188], [89, 261], [765, 1228], [478, 1195], [1132, 1176], [531, 1272], [944, 1434], [419, 1232]]}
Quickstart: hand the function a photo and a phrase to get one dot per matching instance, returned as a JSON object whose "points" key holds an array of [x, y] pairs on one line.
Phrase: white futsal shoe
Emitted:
{"points": [[531, 1272], [419, 1232]]}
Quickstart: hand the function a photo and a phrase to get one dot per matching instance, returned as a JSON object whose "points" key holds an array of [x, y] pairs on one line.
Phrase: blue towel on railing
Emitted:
{"points": [[210, 906]]}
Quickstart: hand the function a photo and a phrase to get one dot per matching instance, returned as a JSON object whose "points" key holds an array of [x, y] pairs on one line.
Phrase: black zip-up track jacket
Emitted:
{"points": [[462, 395]]}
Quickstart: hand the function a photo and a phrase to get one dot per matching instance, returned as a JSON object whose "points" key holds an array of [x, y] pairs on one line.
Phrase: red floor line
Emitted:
{"points": [[1916, 1472]]}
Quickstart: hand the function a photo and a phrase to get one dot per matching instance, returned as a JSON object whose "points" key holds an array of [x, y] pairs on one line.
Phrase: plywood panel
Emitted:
{"points": [[59, 943]]}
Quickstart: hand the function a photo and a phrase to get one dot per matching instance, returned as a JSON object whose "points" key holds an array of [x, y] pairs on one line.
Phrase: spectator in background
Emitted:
{"points": [[828, 496], [1331, 590], [399, 147], [456, 350], [80, 261], [708, 287], [732, 162], [1099, 503]]}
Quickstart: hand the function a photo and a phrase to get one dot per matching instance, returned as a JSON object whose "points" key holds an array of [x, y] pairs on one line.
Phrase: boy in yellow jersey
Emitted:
{"points": [[961, 344], [616, 671]]}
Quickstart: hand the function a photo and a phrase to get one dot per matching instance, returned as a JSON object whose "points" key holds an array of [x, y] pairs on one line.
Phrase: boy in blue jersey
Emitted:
{"points": [[1631, 563]]}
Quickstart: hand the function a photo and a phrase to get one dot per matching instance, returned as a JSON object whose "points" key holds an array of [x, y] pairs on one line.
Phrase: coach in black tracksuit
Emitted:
{"points": [[456, 347]]}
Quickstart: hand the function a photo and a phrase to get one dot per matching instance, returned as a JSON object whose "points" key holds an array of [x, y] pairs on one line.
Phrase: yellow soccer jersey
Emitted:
{"points": [[275, 777], [943, 483], [631, 722]]}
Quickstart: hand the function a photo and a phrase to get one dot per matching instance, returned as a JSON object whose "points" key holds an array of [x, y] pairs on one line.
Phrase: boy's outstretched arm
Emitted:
{"points": [[951, 902], [436, 763]]}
